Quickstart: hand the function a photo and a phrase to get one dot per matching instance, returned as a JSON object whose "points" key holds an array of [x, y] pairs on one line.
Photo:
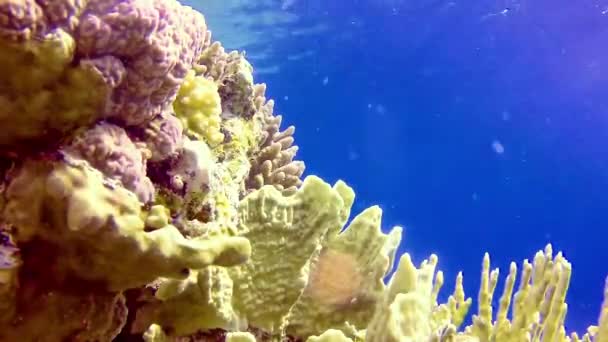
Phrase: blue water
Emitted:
{"points": [[478, 127]]}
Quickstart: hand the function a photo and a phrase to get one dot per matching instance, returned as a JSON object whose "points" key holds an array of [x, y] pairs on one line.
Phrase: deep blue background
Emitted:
{"points": [[412, 105]]}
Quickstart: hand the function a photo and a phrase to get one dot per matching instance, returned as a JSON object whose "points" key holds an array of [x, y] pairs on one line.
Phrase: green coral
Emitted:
{"points": [[285, 232], [240, 337], [72, 207], [409, 311], [298, 251], [241, 138], [154, 334], [42, 93], [406, 311], [202, 301], [54, 314], [157, 217], [331, 335], [289, 235], [346, 281], [198, 106]]}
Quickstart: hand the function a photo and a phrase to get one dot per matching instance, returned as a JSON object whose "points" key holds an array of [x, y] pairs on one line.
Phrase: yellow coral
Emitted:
{"points": [[155, 334], [409, 311], [242, 137], [285, 233], [198, 106], [539, 306], [240, 337], [157, 217], [41, 92], [71, 206], [201, 301], [330, 335], [345, 281], [406, 312], [224, 211], [59, 314]]}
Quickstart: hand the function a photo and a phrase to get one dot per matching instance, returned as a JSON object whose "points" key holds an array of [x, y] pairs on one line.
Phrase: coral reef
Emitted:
{"points": [[147, 192]]}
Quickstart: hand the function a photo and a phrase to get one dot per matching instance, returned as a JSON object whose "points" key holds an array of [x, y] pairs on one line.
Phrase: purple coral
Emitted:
{"points": [[108, 148], [274, 162], [156, 41], [109, 68], [9, 252], [20, 19], [63, 13], [23, 19], [233, 74], [163, 136], [141, 49]]}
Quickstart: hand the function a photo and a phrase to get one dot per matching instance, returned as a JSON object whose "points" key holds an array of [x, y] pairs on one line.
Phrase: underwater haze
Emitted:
{"points": [[476, 125]]}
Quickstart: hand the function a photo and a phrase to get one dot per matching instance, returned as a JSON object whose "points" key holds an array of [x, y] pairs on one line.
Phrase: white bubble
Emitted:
{"points": [[498, 147], [352, 154]]}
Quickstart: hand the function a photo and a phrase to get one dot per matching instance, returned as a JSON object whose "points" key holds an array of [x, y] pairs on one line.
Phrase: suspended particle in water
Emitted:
{"points": [[352, 154], [498, 147]]}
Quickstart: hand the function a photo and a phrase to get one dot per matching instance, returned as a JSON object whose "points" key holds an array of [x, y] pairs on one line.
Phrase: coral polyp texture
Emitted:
{"points": [[148, 192]]}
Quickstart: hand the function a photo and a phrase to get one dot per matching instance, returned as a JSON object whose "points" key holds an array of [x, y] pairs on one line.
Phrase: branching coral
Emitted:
{"points": [[274, 163], [272, 160], [235, 75], [147, 191], [410, 312]]}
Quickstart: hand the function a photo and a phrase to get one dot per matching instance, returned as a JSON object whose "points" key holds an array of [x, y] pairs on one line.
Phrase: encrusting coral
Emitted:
{"points": [[148, 192]]}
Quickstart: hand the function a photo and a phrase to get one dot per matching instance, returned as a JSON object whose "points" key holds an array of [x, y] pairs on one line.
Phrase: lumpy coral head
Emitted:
{"points": [[71, 207], [27, 19], [67, 63], [198, 107], [163, 136], [157, 41], [42, 94], [108, 148]]}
